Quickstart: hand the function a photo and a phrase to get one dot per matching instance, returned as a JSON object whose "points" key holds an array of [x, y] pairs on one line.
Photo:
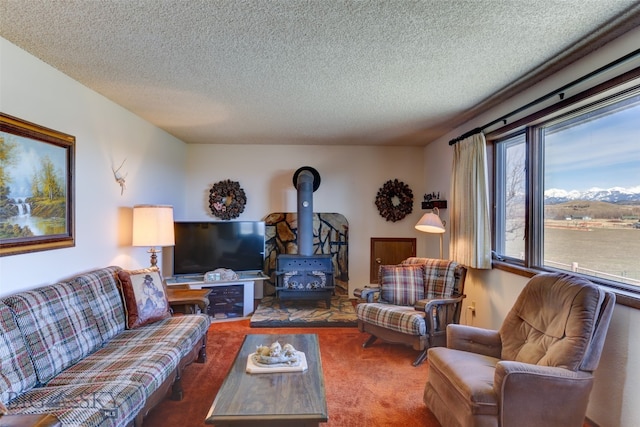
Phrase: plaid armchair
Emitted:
{"points": [[414, 303]]}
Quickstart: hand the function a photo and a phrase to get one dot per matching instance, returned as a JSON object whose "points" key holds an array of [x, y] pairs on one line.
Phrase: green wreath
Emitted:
{"points": [[227, 199], [394, 200]]}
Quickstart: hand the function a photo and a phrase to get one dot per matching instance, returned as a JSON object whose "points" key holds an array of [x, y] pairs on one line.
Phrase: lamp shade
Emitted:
{"points": [[153, 225], [430, 223]]}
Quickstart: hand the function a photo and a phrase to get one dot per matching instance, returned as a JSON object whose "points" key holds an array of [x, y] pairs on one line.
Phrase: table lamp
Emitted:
{"points": [[153, 226]]}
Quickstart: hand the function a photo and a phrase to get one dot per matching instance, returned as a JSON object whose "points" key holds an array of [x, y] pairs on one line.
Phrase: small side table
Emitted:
{"points": [[188, 300]]}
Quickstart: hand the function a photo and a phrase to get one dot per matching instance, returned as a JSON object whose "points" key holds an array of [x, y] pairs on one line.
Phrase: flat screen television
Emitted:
{"points": [[206, 246]]}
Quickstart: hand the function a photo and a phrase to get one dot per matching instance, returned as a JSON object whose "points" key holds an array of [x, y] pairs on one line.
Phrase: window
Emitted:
{"points": [[511, 197], [567, 192]]}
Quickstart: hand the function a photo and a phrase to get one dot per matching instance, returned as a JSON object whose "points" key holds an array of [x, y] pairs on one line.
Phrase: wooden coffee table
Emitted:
{"points": [[272, 399]]}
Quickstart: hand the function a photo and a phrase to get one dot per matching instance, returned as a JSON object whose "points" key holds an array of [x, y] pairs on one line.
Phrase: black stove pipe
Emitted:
{"points": [[306, 180]]}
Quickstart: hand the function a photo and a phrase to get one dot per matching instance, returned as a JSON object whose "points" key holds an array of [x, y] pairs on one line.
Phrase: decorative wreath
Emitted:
{"points": [[394, 200], [227, 199]]}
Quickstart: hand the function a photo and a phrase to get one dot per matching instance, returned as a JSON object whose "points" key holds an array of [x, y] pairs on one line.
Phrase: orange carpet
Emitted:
{"points": [[377, 386]]}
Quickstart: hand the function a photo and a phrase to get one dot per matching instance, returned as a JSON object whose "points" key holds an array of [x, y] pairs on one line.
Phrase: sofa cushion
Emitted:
{"points": [[17, 373], [395, 317], [58, 326], [439, 276], [401, 284], [181, 332], [144, 295], [101, 287], [467, 376], [98, 404], [147, 363]]}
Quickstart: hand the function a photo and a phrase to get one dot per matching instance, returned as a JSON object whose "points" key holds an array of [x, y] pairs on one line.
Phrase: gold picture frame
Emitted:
{"points": [[37, 167]]}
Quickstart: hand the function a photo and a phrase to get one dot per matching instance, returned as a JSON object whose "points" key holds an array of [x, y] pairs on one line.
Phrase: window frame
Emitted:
{"points": [[531, 126]]}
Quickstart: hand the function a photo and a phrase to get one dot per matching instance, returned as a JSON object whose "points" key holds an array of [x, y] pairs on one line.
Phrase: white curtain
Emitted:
{"points": [[470, 218]]}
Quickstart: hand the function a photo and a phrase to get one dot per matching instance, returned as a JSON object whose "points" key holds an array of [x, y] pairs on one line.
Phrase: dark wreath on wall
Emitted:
{"points": [[227, 199], [394, 200]]}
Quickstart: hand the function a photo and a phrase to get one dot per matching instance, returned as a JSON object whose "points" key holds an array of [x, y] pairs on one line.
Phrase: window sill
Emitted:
{"points": [[626, 297]]}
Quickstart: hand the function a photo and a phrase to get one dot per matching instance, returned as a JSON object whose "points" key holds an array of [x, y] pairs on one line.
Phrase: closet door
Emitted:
{"points": [[389, 251]]}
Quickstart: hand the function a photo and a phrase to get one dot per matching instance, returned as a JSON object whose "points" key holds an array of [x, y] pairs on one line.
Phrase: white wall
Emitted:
{"points": [[350, 179], [614, 399], [106, 134]]}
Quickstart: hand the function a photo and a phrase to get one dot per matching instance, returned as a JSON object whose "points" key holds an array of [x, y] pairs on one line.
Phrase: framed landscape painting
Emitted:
{"points": [[36, 187]]}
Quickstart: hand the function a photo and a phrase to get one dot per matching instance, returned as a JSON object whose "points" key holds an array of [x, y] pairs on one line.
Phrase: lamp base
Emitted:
{"points": [[154, 258]]}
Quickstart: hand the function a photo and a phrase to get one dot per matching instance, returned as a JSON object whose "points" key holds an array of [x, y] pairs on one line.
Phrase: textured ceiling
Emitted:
{"points": [[304, 72]]}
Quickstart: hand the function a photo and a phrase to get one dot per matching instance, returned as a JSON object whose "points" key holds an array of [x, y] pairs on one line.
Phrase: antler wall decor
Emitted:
{"points": [[120, 178]]}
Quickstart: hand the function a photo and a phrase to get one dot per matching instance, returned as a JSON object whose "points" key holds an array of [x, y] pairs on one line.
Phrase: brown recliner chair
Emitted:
{"points": [[537, 370]]}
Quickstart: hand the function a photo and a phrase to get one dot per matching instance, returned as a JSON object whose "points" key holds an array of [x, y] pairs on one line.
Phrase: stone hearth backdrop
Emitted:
{"points": [[330, 237]]}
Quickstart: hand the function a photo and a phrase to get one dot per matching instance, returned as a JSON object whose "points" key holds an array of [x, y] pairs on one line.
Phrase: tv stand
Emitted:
{"points": [[227, 298], [199, 278], [185, 279]]}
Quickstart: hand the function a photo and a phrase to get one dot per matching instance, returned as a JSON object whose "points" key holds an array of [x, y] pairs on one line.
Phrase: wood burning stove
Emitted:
{"points": [[305, 276]]}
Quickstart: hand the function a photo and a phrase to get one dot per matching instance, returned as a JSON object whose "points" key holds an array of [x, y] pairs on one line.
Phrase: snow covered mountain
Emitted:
{"points": [[611, 195]]}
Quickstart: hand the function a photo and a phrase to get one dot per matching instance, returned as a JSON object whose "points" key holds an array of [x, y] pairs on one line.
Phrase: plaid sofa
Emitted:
{"points": [[64, 350]]}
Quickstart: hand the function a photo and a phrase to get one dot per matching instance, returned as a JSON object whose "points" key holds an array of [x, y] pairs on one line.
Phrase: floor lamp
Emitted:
{"points": [[431, 223], [153, 226]]}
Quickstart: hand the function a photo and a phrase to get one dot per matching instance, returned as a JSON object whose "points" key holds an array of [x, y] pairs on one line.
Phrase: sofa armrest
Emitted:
{"points": [[368, 293], [440, 312], [29, 420], [563, 393], [427, 305], [475, 340]]}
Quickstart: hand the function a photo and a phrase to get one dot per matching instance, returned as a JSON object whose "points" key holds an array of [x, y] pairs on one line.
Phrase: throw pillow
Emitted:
{"points": [[401, 284], [144, 296]]}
